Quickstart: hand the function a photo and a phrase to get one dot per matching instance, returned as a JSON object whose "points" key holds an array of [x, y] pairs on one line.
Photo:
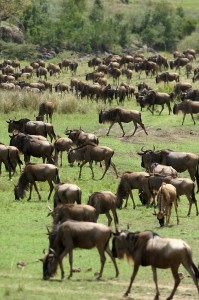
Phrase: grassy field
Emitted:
{"points": [[23, 224]]}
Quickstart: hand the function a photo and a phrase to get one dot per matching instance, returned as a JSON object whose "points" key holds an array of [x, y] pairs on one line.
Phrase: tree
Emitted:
{"points": [[12, 8]]}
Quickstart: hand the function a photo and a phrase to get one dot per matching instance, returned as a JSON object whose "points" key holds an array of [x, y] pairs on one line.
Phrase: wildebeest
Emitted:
{"points": [[166, 197], [46, 108], [180, 161], [70, 235], [30, 146], [80, 212], [147, 248], [153, 98], [66, 193], [33, 173], [79, 137], [61, 87], [90, 152], [26, 126], [181, 87], [187, 107], [167, 77], [130, 181], [103, 202], [42, 71], [120, 115], [184, 186], [162, 170], [5, 157], [61, 144]]}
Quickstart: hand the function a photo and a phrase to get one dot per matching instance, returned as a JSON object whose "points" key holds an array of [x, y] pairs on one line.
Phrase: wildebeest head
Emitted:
{"points": [[175, 109], [50, 264], [18, 193], [119, 246], [149, 157], [71, 156], [160, 217]]}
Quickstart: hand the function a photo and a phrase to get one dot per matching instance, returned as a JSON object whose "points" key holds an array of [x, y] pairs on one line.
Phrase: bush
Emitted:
{"points": [[18, 51]]}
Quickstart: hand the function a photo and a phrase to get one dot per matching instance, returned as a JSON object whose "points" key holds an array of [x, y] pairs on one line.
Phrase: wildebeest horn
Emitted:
{"points": [[50, 209], [52, 250], [153, 148], [142, 149], [44, 251], [48, 230]]}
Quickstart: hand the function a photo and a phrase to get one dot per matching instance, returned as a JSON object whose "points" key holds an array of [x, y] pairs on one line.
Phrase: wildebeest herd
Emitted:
{"points": [[159, 186]]}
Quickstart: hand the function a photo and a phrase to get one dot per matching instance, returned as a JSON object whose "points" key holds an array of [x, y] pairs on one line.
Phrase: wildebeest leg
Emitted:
{"points": [[193, 119], [183, 118], [109, 218], [30, 191], [80, 168], [115, 217], [108, 251], [51, 188], [121, 128], [162, 109], [110, 128], [156, 282], [135, 270], [107, 165], [36, 189], [114, 168], [61, 152], [177, 281], [136, 127], [103, 260], [176, 210], [131, 195], [71, 264]]}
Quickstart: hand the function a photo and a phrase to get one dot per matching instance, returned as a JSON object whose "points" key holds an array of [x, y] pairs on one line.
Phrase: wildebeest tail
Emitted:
{"points": [[193, 195], [10, 161], [45, 130], [196, 271], [197, 176]]}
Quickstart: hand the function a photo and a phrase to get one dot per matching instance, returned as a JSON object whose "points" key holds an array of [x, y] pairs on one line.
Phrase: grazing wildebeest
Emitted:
{"points": [[130, 181], [70, 235], [147, 248], [80, 212], [103, 202], [15, 157], [33, 173], [66, 193], [79, 137], [187, 107], [30, 146], [46, 108], [167, 77], [61, 87], [180, 161], [91, 152], [95, 61], [32, 127], [119, 115], [166, 196], [61, 144]]}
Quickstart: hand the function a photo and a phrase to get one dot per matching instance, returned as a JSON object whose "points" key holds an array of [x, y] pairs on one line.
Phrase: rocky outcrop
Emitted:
{"points": [[11, 34]]}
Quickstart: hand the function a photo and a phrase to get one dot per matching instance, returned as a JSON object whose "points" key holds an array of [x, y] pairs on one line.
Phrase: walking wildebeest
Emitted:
{"points": [[119, 115], [180, 161], [67, 193], [33, 173], [61, 144], [130, 181], [147, 248], [187, 107], [153, 98], [30, 146], [46, 108], [70, 235], [89, 153], [103, 202], [80, 212], [32, 127], [166, 196]]}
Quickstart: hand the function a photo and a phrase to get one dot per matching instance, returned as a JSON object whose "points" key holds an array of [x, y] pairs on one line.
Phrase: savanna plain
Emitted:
{"points": [[23, 223]]}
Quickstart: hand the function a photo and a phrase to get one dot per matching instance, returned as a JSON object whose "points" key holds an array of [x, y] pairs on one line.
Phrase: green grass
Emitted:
{"points": [[23, 224]]}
